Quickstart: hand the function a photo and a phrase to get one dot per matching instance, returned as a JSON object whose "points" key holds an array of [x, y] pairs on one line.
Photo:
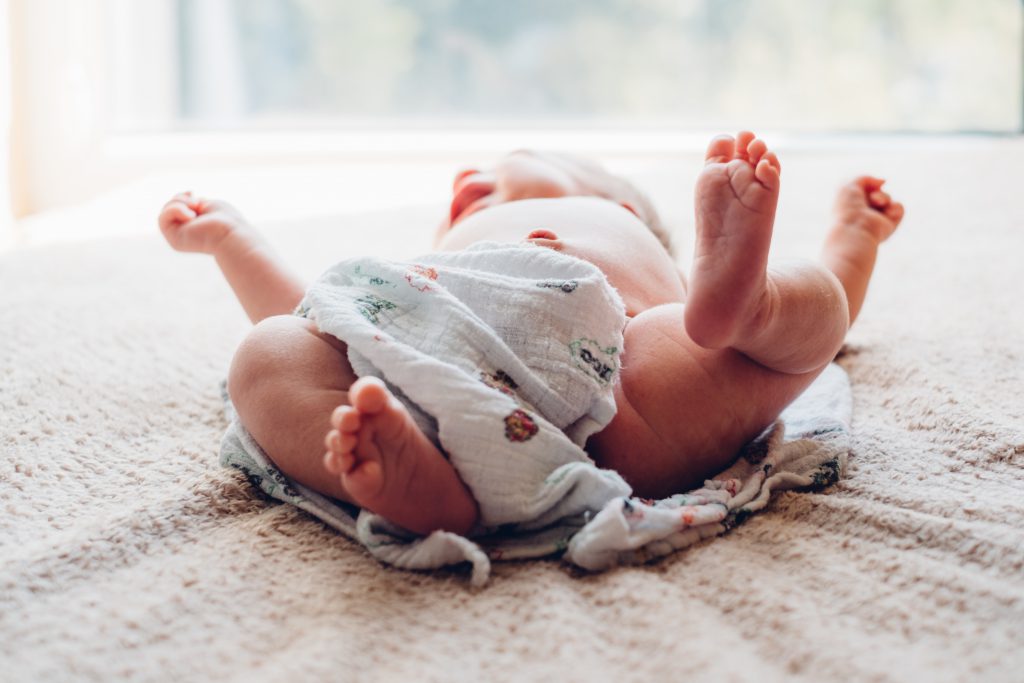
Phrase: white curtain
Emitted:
{"points": [[6, 223], [81, 72], [55, 57]]}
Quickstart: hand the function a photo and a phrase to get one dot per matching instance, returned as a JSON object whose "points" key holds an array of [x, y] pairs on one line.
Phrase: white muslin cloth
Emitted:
{"points": [[506, 355]]}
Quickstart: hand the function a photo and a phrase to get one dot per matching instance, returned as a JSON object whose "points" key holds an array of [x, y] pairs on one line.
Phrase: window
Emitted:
{"points": [[107, 91], [828, 65]]}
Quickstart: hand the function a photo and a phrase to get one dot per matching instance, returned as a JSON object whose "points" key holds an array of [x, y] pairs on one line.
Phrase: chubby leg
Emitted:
{"points": [[755, 337], [793, 317], [287, 380], [685, 410]]}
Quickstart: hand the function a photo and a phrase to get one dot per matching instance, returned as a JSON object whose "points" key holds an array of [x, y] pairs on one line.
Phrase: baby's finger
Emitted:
{"points": [[894, 212], [174, 214], [869, 183], [185, 198], [879, 199], [184, 210]]}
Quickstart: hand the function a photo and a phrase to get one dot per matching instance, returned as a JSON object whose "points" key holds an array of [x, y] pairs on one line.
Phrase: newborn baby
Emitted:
{"points": [[706, 364]]}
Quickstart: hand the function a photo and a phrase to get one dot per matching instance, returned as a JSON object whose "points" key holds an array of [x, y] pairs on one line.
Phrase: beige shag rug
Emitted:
{"points": [[127, 553]]}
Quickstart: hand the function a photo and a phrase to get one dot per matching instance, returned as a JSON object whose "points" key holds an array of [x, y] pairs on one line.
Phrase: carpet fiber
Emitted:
{"points": [[126, 552]]}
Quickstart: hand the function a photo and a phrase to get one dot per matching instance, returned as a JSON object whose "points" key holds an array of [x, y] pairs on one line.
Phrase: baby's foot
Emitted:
{"points": [[862, 204], [388, 466], [735, 205]]}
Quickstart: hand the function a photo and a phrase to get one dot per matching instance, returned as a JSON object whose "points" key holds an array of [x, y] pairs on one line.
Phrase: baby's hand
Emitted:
{"points": [[863, 202], [201, 225]]}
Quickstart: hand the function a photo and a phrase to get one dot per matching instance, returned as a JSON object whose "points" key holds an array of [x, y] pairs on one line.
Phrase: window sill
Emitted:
{"points": [[454, 145]]}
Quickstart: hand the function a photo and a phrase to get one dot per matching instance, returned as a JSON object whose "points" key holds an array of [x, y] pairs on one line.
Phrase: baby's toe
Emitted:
{"points": [[335, 463], [332, 441], [368, 395], [340, 442], [720, 149], [756, 150], [766, 174], [331, 462], [345, 419], [348, 442], [743, 140], [365, 480]]}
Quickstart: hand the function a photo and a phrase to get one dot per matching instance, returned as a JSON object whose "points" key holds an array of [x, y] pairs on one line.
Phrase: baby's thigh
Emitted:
{"points": [[685, 411], [286, 379]]}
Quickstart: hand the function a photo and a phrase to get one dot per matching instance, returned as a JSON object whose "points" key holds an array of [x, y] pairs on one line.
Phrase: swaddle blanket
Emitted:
{"points": [[506, 355]]}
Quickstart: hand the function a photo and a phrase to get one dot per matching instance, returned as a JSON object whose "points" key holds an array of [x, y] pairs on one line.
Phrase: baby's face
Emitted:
{"points": [[526, 175]]}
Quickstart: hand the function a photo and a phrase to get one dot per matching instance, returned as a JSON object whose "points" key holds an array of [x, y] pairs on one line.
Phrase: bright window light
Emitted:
{"points": [[106, 93], [790, 65]]}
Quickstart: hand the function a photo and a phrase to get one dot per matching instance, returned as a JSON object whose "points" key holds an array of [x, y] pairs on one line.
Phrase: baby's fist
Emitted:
{"points": [[195, 224]]}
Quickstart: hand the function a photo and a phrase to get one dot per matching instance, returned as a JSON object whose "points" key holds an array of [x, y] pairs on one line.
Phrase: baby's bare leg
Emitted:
{"points": [[286, 381], [749, 329], [790, 318]]}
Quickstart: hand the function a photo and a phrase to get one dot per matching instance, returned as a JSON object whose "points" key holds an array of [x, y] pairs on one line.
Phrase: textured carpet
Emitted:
{"points": [[125, 552]]}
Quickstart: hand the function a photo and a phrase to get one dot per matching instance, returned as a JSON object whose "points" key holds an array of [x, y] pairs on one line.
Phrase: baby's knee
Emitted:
{"points": [[263, 357], [832, 311], [810, 304], [282, 360]]}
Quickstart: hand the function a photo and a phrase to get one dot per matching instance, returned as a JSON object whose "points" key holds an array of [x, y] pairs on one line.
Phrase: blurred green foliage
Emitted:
{"points": [[783, 64]]}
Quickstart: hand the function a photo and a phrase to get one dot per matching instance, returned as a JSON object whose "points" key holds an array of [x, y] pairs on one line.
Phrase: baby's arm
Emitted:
{"points": [[865, 217], [263, 284]]}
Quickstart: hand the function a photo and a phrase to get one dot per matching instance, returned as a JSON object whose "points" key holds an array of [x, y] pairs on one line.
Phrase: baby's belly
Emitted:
{"points": [[595, 230]]}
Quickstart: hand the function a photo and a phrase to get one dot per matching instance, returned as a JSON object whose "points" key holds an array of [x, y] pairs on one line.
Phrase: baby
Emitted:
{"points": [[707, 363]]}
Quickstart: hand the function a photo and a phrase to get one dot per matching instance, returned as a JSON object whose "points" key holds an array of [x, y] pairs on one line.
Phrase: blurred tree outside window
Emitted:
{"points": [[822, 65]]}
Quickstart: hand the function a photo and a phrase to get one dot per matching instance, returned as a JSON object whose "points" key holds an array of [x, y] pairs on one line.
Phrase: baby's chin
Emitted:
{"points": [[444, 226]]}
